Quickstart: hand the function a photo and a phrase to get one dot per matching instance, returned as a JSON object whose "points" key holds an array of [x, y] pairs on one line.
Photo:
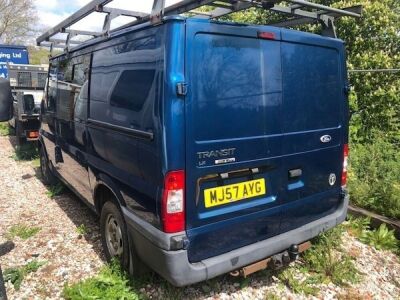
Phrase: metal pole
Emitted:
{"points": [[325, 8]]}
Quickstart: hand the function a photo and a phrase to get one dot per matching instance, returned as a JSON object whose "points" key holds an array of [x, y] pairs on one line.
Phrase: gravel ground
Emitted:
{"points": [[70, 257]]}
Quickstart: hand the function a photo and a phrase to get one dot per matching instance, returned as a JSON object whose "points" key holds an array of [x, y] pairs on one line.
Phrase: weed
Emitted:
{"points": [[81, 229], [326, 261], [36, 163], [356, 225], [22, 231], [55, 190], [271, 296], [16, 275], [5, 129], [381, 238], [110, 283], [26, 152], [305, 287]]}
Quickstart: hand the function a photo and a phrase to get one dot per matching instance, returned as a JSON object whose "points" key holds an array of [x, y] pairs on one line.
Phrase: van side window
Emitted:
{"points": [[65, 91], [132, 89], [72, 88], [52, 89]]}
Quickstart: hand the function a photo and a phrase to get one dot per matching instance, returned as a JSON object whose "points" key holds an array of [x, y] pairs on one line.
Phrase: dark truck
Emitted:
{"points": [[27, 83]]}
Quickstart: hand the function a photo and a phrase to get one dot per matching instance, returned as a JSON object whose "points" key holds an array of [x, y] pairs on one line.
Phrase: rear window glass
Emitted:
{"points": [[132, 89], [237, 85]]}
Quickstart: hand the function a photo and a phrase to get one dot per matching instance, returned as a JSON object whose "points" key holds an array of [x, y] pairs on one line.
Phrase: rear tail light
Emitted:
{"points": [[173, 202], [345, 163], [266, 35], [32, 134]]}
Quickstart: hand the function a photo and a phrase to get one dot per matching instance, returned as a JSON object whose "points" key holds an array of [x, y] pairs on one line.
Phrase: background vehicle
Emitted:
{"points": [[204, 146], [27, 83]]}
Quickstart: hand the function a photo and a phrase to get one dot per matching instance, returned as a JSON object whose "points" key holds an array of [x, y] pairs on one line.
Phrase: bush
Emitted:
{"points": [[374, 180], [381, 238]]}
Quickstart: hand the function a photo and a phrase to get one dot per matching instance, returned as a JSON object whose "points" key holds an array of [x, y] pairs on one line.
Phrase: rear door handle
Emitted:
{"points": [[295, 173]]}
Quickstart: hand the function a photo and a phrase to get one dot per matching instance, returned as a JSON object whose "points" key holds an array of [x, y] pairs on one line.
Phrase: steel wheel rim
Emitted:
{"points": [[113, 235]]}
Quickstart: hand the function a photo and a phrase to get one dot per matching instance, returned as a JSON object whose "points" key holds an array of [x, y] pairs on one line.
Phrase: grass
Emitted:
{"points": [[5, 129], [110, 283], [288, 277], [82, 229], [327, 262], [16, 275], [22, 231], [36, 163], [25, 152], [55, 190]]}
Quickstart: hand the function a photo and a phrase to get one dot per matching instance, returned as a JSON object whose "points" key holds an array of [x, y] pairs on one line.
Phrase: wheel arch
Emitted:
{"points": [[106, 189]]}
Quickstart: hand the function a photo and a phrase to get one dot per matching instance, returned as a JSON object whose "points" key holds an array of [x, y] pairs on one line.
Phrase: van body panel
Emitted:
{"points": [[226, 107]]}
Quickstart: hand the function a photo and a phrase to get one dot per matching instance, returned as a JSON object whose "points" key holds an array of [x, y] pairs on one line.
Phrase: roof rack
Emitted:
{"points": [[299, 12]]}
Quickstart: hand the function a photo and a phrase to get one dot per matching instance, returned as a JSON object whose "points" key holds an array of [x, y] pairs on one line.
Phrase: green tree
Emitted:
{"points": [[38, 55], [372, 42]]}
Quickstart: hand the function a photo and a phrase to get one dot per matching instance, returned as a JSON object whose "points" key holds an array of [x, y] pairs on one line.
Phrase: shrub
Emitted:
{"points": [[374, 181], [381, 238]]}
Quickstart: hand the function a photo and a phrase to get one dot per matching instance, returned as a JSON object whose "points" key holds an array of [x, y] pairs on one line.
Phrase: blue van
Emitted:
{"points": [[204, 146]]}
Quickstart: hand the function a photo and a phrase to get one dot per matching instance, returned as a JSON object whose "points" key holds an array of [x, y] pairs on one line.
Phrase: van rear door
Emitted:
{"points": [[253, 147], [315, 126], [233, 137]]}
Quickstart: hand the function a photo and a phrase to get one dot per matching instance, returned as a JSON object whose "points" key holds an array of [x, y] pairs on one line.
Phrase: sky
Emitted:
{"points": [[52, 12]]}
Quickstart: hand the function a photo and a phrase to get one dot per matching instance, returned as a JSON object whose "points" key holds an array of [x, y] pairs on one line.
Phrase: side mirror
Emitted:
{"points": [[6, 100]]}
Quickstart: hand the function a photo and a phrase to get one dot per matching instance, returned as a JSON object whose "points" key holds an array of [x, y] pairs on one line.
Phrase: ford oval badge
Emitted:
{"points": [[326, 138]]}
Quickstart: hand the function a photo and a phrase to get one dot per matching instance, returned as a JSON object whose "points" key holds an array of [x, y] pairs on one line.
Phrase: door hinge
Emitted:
{"points": [[181, 89]]}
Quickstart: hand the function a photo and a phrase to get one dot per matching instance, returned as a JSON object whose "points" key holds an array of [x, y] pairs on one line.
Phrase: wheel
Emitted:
{"points": [[115, 242], [47, 175], [113, 234]]}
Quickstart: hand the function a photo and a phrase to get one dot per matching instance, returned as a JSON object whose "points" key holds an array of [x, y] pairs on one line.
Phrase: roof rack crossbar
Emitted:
{"points": [[298, 12]]}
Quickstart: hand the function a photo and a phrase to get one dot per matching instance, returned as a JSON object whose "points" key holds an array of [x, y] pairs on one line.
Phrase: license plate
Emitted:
{"points": [[234, 192]]}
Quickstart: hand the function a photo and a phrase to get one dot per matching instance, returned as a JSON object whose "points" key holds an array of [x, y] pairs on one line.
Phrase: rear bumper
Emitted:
{"points": [[176, 268]]}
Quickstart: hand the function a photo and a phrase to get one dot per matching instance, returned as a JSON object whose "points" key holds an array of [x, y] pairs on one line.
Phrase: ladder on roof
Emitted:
{"points": [[298, 12]]}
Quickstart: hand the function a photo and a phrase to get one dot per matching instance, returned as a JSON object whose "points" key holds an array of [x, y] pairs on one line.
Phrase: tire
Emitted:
{"points": [[48, 177], [114, 237]]}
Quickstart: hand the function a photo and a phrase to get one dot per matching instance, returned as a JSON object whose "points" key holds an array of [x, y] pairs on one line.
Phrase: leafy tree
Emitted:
{"points": [[38, 55], [373, 42], [17, 20]]}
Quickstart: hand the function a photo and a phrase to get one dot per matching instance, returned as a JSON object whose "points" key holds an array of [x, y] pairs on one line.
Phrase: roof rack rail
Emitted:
{"points": [[299, 12]]}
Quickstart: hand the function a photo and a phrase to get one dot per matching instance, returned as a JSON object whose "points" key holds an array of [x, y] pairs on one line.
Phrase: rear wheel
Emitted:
{"points": [[115, 240], [47, 175]]}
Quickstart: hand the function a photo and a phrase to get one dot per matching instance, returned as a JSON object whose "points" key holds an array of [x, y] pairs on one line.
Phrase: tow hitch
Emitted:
{"points": [[275, 262]]}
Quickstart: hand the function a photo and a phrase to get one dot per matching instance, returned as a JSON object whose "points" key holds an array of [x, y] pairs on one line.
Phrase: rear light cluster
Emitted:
{"points": [[32, 134], [173, 202], [345, 163]]}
